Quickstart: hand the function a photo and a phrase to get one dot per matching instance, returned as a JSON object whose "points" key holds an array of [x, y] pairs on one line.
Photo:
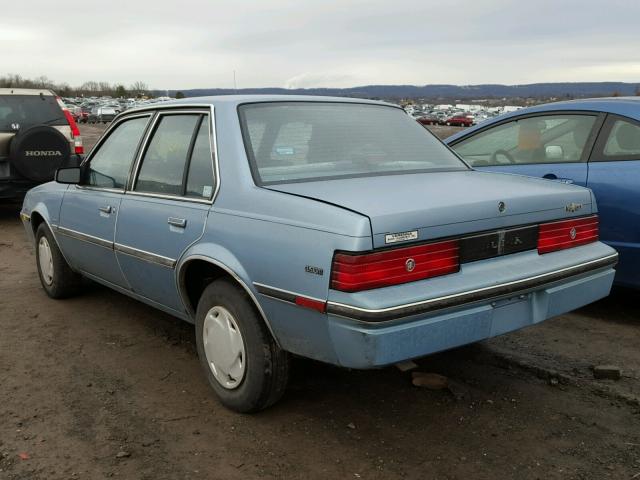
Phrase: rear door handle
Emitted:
{"points": [[106, 209], [177, 222], [553, 176]]}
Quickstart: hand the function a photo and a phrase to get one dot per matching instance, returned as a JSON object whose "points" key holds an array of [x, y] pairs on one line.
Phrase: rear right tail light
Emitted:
{"points": [[353, 272], [567, 234]]}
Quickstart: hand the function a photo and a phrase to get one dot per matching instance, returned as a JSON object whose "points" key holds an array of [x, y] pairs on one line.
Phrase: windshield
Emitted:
{"points": [[27, 110], [305, 141]]}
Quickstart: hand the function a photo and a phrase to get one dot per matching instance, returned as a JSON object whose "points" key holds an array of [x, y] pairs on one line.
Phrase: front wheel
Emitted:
{"points": [[241, 360], [56, 277]]}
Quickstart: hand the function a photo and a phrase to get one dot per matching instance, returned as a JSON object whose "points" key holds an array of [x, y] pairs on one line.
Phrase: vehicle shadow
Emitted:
{"points": [[10, 210], [623, 301]]}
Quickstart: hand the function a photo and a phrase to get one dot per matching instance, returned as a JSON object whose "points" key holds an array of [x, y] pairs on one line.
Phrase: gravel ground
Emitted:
{"points": [[101, 386]]}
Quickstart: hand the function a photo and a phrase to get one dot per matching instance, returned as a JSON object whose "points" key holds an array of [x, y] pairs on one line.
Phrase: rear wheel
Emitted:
{"points": [[241, 360], [56, 277]]}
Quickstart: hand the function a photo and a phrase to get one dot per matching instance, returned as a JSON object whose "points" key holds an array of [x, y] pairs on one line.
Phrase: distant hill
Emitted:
{"points": [[535, 90]]}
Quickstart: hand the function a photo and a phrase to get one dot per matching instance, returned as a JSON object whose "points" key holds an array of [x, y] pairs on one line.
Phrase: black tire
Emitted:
{"points": [[266, 365], [65, 282]]}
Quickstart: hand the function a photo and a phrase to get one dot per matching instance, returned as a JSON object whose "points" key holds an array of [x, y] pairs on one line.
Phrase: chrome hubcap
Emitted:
{"points": [[46, 260], [224, 347]]}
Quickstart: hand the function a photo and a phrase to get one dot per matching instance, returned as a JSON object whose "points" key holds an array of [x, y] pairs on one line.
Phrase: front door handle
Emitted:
{"points": [[106, 209], [177, 222]]}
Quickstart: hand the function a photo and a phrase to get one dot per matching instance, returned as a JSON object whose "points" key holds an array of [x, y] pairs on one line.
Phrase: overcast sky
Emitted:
{"points": [[299, 43]]}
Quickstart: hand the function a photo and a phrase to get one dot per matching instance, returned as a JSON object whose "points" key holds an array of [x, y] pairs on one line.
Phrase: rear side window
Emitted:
{"points": [[623, 141], [109, 166], [20, 111], [531, 140], [178, 160], [200, 178], [164, 161]]}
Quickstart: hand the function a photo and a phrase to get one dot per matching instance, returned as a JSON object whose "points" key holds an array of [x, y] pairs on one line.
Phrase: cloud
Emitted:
{"points": [[329, 43], [319, 79]]}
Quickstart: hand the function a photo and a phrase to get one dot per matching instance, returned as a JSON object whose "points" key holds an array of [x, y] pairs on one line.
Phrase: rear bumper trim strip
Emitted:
{"points": [[495, 291]]}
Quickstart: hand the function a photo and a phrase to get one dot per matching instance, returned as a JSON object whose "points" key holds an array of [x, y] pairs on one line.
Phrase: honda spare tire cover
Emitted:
{"points": [[38, 152]]}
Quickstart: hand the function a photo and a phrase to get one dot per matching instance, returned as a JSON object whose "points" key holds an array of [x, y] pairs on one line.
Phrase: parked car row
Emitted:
{"points": [[342, 231], [457, 120], [104, 109], [462, 115]]}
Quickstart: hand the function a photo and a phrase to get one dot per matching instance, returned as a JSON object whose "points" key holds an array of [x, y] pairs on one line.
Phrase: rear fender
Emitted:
{"points": [[227, 261]]}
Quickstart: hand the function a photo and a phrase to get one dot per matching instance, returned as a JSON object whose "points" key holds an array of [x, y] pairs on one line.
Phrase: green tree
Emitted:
{"points": [[179, 95], [121, 92]]}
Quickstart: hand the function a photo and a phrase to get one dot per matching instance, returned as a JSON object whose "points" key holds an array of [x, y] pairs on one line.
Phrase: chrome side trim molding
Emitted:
{"points": [[118, 247], [144, 255], [496, 291], [101, 242], [168, 197], [281, 294]]}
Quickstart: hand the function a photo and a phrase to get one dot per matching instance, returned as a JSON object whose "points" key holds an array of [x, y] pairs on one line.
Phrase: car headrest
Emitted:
{"points": [[628, 137]]}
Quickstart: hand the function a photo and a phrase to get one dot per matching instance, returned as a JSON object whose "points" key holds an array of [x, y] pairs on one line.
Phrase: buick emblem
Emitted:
{"points": [[502, 207], [573, 207], [573, 233], [410, 264]]}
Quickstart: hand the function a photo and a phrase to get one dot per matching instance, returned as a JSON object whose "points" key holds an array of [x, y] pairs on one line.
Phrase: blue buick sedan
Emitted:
{"points": [[594, 143], [329, 228]]}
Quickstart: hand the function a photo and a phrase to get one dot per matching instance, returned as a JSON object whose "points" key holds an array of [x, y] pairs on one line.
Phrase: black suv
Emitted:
{"points": [[37, 136]]}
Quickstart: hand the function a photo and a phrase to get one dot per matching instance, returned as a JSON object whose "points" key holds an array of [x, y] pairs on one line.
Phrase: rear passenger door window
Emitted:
{"points": [[623, 141], [164, 161], [177, 161]]}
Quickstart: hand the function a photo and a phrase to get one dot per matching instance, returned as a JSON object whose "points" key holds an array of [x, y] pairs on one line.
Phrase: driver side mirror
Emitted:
{"points": [[69, 175]]}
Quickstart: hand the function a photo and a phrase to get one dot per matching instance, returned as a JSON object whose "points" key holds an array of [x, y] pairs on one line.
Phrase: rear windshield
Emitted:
{"points": [[20, 111], [305, 141]]}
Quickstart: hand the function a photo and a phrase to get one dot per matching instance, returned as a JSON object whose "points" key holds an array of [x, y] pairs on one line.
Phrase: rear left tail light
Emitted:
{"points": [[567, 234], [352, 272], [75, 131]]}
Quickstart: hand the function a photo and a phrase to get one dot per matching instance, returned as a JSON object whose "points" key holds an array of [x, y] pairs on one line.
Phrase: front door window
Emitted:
{"points": [[543, 139]]}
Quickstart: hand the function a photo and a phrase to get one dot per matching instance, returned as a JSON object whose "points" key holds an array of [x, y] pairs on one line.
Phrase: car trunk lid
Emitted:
{"points": [[416, 207]]}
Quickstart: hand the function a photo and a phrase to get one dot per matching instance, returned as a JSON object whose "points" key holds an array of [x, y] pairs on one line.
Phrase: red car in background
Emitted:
{"points": [[459, 121], [428, 119]]}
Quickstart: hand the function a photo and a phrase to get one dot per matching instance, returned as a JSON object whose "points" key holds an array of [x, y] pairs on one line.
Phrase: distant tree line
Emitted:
{"points": [[87, 89]]}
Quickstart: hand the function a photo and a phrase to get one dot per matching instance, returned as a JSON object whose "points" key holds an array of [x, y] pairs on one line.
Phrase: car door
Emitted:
{"points": [[167, 204], [614, 177], [554, 145], [89, 211]]}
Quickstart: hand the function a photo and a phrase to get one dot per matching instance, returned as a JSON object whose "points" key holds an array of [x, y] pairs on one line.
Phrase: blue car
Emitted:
{"points": [[593, 143], [334, 229]]}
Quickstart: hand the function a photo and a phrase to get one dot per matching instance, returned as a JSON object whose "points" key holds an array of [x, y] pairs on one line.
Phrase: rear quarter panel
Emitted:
{"points": [[275, 254]]}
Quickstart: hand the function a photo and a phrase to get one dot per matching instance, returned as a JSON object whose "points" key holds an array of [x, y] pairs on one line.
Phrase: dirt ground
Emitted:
{"points": [[101, 386]]}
